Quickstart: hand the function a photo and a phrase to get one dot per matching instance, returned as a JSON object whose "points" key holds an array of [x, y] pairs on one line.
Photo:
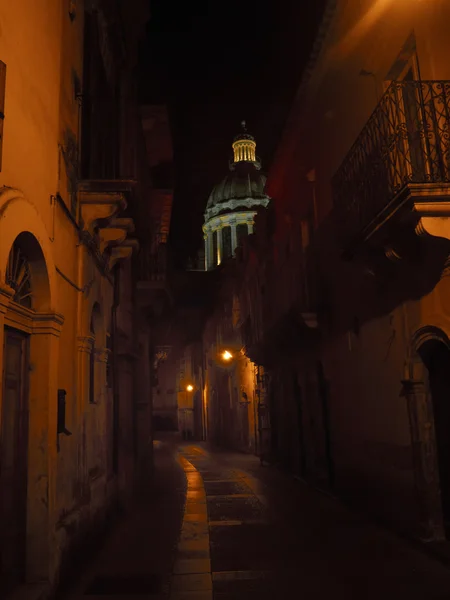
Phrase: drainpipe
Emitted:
{"points": [[79, 330], [115, 370]]}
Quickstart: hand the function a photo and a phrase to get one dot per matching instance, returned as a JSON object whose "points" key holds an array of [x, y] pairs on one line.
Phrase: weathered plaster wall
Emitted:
{"points": [[364, 358]]}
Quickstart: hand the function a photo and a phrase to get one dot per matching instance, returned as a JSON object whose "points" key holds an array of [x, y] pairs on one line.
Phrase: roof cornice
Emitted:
{"points": [[303, 89]]}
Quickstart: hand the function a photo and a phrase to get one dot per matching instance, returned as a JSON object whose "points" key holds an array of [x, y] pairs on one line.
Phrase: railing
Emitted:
{"points": [[153, 265], [406, 140]]}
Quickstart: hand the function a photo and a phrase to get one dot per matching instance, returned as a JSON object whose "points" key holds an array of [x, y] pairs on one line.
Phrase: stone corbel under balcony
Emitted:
{"points": [[102, 200], [114, 232], [122, 252], [434, 219], [310, 320]]}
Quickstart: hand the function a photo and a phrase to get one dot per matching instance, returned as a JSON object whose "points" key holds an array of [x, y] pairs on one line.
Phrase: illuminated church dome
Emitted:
{"points": [[233, 202]]}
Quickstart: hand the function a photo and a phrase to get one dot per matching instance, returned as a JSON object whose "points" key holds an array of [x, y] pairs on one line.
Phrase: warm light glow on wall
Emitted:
{"points": [[226, 355], [244, 150]]}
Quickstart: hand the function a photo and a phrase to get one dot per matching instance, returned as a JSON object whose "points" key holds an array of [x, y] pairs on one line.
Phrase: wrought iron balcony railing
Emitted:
{"points": [[153, 266], [406, 140]]}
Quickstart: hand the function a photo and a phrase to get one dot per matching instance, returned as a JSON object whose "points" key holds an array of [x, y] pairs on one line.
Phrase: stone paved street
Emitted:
{"points": [[249, 532]]}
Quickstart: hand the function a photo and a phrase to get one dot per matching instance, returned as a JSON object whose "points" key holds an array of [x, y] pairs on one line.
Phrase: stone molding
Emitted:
{"points": [[85, 343], [102, 354], [234, 205], [48, 324], [6, 295], [34, 323]]}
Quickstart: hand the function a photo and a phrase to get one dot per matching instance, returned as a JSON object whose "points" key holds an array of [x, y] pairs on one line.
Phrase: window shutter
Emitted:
{"points": [[2, 105]]}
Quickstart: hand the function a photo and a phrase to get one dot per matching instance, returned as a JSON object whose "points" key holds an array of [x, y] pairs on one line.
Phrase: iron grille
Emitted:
{"points": [[153, 264], [405, 140]]}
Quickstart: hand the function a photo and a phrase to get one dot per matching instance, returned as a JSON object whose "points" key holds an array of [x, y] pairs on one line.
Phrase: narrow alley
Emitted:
{"points": [[221, 526]]}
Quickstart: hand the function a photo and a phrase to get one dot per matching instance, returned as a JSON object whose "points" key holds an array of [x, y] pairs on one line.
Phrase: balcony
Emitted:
{"points": [[401, 157], [152, 275], [153, 265], [282, 319]]}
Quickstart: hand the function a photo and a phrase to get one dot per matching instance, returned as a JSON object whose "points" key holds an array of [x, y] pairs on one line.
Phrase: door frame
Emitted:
{"points": [[21, 439]]}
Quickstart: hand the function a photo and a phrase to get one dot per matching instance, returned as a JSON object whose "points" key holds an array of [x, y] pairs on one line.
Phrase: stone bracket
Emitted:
{"points": [[122, 252], [102, 200], [115, 232], [85, 343], [94, 208], [434, 219]]}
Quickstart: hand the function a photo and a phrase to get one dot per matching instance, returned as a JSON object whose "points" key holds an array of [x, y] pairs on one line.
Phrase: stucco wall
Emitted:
{"points": [[364, 350], [68, 487]]}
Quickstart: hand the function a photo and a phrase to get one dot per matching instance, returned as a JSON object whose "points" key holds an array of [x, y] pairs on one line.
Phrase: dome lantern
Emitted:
{"points": [[244, 146]]}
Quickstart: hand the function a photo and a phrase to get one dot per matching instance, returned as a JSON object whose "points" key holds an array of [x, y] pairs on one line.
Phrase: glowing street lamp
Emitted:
{"points": [[226, 355], [189, 388]]}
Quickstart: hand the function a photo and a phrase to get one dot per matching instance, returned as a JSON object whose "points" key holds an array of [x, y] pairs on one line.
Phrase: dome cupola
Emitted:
{"points": [[244, 146], [233, 202]]}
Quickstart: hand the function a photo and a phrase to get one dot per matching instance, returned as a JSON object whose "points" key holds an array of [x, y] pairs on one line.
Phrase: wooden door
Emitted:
{"points": [[13, 460]]}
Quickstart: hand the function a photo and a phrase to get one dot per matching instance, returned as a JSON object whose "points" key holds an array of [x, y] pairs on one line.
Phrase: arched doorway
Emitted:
{"points": [[24, 467], [435, 354]]}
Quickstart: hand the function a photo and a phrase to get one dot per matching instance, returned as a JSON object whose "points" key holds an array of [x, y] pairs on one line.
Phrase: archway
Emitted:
{"points": [[28, 356], [26, 273], [435, 354]]}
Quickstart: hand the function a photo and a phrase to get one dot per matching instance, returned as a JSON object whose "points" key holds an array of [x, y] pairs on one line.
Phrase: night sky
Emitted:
{"points": [[216, 63]]}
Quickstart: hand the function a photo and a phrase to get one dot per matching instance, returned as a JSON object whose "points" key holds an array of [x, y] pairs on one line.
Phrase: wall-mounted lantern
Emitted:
{"points": [[226, 355]]}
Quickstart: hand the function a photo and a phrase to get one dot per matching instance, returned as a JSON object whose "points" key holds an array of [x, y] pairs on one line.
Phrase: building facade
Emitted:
{"points": [[69, 197], [351, 286], [232, 398]]}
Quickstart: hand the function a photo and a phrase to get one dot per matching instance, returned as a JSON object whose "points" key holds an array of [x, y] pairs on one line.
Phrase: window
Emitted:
{"points": [[214, 256]]}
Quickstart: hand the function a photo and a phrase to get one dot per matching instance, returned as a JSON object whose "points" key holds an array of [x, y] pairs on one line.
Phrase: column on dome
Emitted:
{"points": [[209, 253], [233, 237], [250, 227], [214, 236], [219, 246]]}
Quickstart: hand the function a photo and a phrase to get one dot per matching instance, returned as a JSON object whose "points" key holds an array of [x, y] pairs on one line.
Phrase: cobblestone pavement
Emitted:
{"points": [[250, 533]]}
